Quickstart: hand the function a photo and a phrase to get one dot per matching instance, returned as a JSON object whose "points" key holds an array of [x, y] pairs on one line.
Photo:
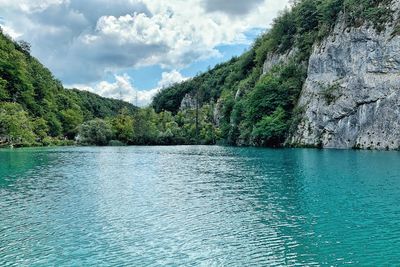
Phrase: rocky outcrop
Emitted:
{"points": [[217, 112], [188, 102], [274, 59], [351, 98]]}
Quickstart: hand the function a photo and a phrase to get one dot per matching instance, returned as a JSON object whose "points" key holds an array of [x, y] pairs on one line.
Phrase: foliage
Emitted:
{"points": [[122, 126], [71, 119], [95, 132], [330, 92], [275, 94], [377, 12], [271, 129], [15, 126], [396, 30], [40, 129], [51, 113]]}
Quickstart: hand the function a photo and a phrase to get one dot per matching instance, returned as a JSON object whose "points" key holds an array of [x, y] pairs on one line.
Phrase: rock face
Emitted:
{"points": [[351, 98], [217, 113], [274, 59], [188, 102]]}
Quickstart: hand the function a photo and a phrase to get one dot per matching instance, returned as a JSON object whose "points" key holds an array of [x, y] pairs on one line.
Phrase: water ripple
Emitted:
{"points": [[198, 206]]}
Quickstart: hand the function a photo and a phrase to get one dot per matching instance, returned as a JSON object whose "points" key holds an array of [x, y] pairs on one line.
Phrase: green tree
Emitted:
{"points": [[95, 132], [40, 128], [24, 80], [271, 130], [55, 126], [15, 125], [3, 92], [145, 127], [122, 126], [71, 119]]}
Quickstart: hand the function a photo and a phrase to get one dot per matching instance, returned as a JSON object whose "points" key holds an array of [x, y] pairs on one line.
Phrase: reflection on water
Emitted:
{"points": [[198, 205]]}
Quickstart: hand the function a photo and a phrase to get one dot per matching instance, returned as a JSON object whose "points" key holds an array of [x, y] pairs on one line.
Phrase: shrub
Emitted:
{"points": [[15, 125], [94, 132]]}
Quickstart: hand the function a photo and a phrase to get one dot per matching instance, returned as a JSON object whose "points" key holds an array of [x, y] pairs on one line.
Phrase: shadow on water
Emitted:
{"points": [[17, 163]]}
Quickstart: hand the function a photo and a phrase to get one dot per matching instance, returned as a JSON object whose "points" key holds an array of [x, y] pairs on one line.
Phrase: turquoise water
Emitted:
{"points": [[198, 206]]}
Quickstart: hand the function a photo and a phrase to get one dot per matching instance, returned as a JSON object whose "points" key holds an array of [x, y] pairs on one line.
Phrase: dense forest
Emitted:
{"points": [[233, 103]]}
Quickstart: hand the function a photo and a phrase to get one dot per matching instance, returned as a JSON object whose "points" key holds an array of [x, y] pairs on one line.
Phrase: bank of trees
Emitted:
{"points": [[146, 127]]}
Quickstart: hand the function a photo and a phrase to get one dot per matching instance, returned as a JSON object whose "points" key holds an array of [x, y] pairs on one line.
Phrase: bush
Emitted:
{"points": [[330, 93], [95, 132], [271, 130], [15, 125]]}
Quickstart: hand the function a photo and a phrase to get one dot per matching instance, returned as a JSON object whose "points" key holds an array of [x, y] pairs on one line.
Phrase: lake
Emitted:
{"points": [[198, 206]]}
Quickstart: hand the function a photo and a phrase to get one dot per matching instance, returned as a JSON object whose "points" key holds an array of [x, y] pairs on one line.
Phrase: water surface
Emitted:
{"points": [[198, 206]]}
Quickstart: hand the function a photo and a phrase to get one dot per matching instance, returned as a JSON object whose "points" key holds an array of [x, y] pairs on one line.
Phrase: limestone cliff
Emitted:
{"points": [[326, 74], [351, 98]]}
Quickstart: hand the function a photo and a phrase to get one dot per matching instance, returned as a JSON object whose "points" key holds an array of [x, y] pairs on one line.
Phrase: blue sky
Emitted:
{"points": [[135, 47], [147, 78]]}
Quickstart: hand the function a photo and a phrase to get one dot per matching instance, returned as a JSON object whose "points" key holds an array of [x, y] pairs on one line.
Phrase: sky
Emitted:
{"points": [[134, 48]]}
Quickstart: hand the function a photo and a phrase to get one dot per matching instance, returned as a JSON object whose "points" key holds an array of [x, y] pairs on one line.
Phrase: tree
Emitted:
{"points": [[51, 109], [40, 128], [263, 99], [71, 119], [270, 131], [122, 126], [3, 92], [95, 132], [55, 126], [15, 125], [24, 46], [145, 127]]}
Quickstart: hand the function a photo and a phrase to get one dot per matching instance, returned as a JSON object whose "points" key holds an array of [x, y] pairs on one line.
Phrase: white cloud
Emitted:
{"points": [[235, 7], [11, 32], [123, 88], [180, 39], [84, 41], [30, 6], [170, 78]]}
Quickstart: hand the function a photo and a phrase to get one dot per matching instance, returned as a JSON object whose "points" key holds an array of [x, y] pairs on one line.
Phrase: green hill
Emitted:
{"points": [[34, 106]]}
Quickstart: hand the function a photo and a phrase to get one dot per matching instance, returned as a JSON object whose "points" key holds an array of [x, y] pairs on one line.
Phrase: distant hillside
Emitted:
{"points": [[34, 105]]}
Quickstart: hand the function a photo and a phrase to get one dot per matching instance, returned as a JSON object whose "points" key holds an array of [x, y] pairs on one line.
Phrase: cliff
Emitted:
{"points": [[351, 97], [327, 74]]}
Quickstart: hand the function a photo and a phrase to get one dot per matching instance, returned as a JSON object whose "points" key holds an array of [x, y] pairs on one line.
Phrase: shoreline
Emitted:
{"points": [[2, 148]]}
